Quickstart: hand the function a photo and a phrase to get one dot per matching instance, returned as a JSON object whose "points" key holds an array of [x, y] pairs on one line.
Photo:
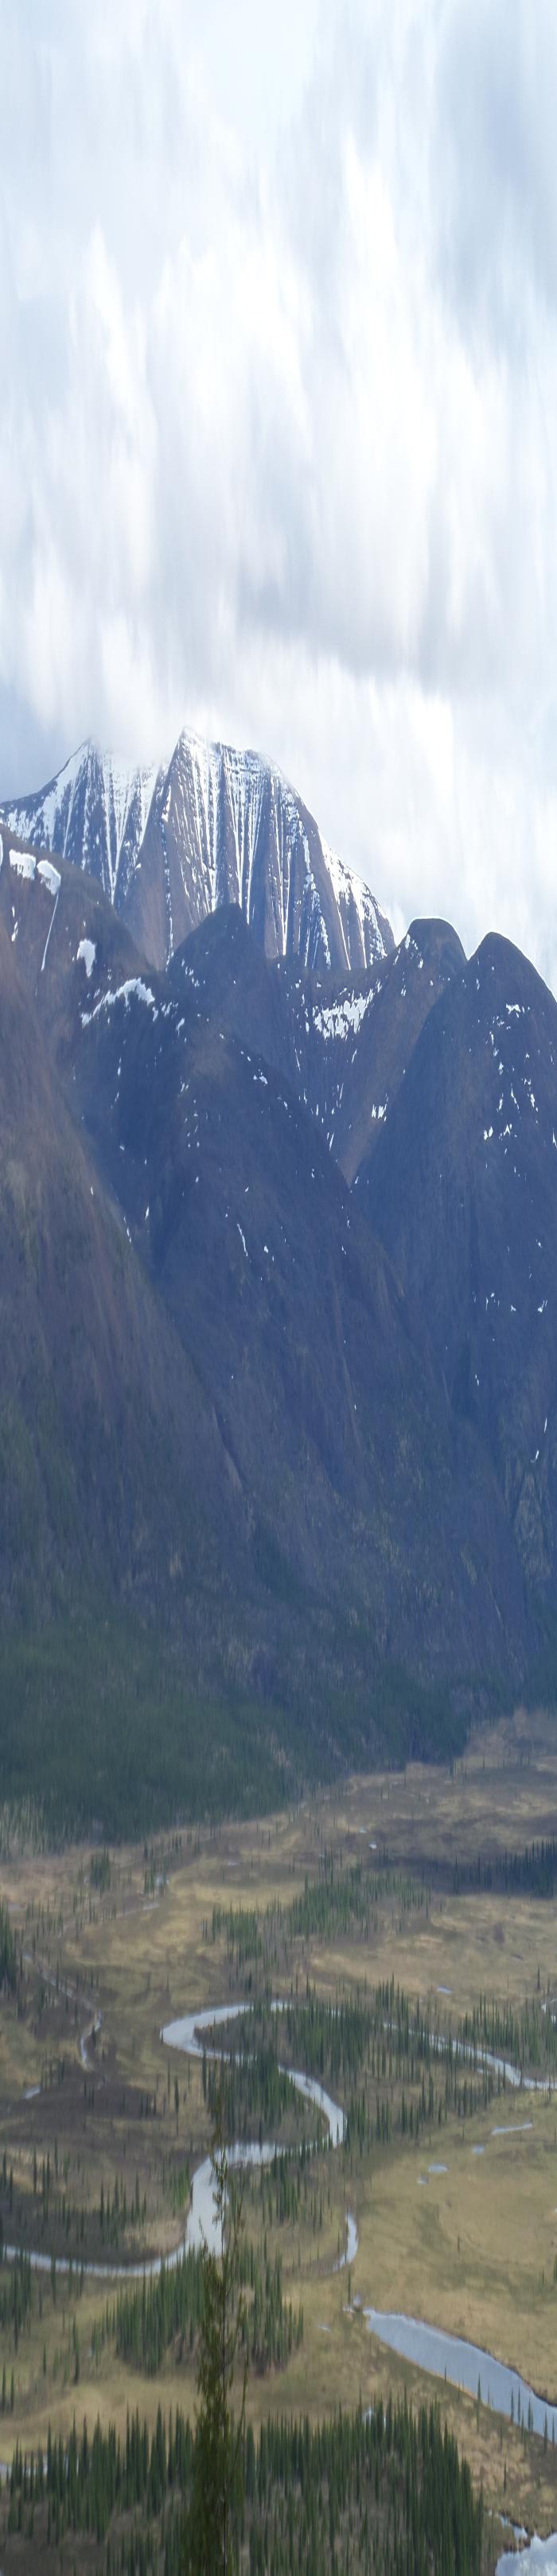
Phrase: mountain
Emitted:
{"points": [[60, 927], [325, 1397], [110, 1459], [342, 1041], [462, 1190], [169, 845], [279, 1372], [248, 1442], [348, 1053]]}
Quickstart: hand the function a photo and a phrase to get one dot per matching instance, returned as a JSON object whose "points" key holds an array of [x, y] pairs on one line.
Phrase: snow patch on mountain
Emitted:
{"points": [[24, 863], [216, 826], [341, 1019], [50, 876], [45, 812], [27, 866], [134, 989], [95, 809], [350, 890]]}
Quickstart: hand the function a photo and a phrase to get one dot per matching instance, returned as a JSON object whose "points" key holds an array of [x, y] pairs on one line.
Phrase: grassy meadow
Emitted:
{"points": [[372, 1884]]}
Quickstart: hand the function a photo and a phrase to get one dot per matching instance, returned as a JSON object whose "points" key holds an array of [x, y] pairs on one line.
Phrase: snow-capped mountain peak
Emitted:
{"points": [[170, 844], [94, 813]]}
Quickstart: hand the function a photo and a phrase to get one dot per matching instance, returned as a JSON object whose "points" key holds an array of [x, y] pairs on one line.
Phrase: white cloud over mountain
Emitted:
{"points": [[278, 317]]}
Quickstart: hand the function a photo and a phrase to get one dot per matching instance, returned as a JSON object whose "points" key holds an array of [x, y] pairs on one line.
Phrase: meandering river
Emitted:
{"points": [[189, 2035], [442, 2355]]}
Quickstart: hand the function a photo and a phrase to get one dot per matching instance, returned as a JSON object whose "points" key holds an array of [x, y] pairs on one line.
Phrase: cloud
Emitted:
{"points": [[278, 318], [496, 84]]}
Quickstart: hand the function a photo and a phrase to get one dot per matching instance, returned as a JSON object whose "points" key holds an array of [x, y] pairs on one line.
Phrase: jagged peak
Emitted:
{"points": [[172, 843]]}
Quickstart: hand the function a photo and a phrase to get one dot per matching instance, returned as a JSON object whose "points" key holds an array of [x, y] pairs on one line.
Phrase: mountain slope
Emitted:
{"points": [[334, 1048], [67, 940], [343, 1042], [170, 845], [111, 1467], [326, 1399], [193, 1088], [462, 1189], [223, 1406]]}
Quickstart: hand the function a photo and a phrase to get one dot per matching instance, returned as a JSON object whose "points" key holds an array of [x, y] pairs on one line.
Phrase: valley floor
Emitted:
{"points": [[385, 1914]]}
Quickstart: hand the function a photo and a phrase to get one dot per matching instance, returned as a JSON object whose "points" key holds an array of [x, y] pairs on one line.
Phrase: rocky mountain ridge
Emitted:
{"points": [[169, 844], [331, 1206], [317, 1374]]}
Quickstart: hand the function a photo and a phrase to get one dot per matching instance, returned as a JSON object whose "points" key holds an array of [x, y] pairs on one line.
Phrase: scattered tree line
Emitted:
{"points": [[22, 1828], [384, 2494], [270, 2327], [8, 1953], [280, 2185], [15, 2302], [100, 1871], [340, 1900], [397, 2068], [253, 2089], [527, 2038], [532, 1872], [377, 2495], [150, 2316], [154, 2314], [69, 2226], [381, 2028], [383, 2031]]}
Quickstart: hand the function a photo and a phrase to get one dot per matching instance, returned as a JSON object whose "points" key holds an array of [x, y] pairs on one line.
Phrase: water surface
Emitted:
{"points": [[447, 2356]]}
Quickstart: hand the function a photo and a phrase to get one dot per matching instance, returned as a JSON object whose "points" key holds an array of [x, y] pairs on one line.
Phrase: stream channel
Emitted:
{"points": [[443, 2356]]}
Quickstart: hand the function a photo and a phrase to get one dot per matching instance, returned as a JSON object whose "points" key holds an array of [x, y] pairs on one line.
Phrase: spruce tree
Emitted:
{"points": [[211, 2542]]}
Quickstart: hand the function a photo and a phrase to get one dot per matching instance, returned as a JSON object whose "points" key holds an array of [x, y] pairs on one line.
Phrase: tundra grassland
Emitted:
{"points": [[384, 1887]]}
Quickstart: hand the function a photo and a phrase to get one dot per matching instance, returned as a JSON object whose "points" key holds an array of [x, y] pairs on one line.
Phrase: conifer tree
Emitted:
{"points": [[211, 2542]]}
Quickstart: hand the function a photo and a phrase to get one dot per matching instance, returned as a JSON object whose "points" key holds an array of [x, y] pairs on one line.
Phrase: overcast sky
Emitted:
{"points": [[278, 310]]}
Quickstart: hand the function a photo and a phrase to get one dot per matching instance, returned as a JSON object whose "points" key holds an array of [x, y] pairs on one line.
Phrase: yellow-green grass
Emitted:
{"points": [[143, 1964]]}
